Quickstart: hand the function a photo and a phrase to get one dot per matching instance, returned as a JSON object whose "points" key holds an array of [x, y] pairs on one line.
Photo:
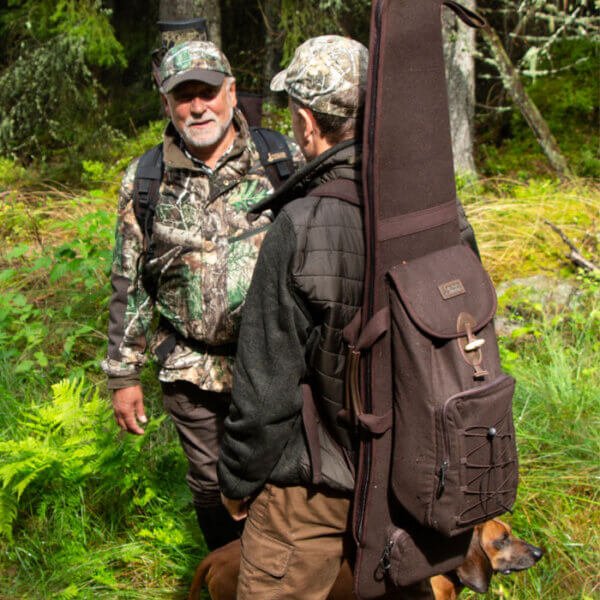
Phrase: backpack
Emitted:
{"points": [[274, 155], [424, 385]]}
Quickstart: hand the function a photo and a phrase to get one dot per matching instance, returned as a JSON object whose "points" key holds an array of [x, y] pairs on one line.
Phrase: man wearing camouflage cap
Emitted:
{"points": [[306, 287], [192, 265], [288, 454]]}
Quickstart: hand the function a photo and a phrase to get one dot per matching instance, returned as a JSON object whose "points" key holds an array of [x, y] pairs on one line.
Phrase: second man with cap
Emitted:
{"points": [[190, 266], [288, 376]]}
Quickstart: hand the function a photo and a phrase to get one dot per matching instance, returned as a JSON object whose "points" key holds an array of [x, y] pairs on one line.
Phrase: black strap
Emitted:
{"points": [[311, 419], [145, 189], [164, 349], [274, 153], [467, 16]]}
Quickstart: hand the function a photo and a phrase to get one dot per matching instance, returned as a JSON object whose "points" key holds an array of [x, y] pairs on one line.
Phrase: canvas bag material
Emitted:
{"points": [[437, 452]]}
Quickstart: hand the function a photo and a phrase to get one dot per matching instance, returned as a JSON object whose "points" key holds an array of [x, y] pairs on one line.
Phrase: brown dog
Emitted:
{"points": [[493, 549]]}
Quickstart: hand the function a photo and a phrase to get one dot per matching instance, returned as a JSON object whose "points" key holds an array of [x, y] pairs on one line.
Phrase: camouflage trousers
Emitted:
{"points": [[198, 416]]}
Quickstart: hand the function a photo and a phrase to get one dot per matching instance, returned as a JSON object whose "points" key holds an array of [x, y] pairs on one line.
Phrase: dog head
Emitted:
{"points": [[494, 549]]}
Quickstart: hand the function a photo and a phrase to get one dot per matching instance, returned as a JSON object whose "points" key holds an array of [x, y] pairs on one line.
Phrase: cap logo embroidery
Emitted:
{"points": [[182, 60], [451, 289]]}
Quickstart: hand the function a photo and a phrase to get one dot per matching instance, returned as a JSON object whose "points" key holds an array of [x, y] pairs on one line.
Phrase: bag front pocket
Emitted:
{"points": [[412, 557], [477, 470]]}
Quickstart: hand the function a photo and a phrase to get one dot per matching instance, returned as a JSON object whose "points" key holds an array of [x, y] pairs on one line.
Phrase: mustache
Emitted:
{"points": [[207, 119]]}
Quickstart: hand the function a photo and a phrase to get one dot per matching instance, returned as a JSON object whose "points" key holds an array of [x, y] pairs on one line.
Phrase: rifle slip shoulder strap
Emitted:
{"points": [[275, 155], [344, 189]]}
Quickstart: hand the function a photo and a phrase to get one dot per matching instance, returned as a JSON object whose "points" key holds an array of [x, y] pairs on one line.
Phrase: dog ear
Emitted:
{"points": [[476, 572]]}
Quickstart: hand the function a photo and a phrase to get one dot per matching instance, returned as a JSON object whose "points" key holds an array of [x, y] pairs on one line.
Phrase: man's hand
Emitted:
{"points": [[238, 509], [128, 404]]}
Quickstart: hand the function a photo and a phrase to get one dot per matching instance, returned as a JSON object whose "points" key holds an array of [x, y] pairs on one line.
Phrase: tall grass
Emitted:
{"points": [[86, 513], [557, 418], [509, 218]]}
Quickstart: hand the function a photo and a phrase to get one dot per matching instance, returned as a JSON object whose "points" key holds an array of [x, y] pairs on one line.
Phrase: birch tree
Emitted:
{"points": [[459, 51], [538, 26]]}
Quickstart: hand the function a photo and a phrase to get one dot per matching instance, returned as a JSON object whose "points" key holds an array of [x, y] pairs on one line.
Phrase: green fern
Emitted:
{"points": [[69, 448]]}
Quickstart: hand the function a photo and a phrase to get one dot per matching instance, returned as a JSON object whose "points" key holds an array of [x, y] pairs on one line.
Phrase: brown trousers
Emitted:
{"points": [[198, 416], [293, 544]]}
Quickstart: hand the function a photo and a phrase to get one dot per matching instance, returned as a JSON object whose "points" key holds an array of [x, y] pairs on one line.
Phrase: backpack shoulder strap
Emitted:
{"points": [[274, 153], [345, 189], [145, 189]]}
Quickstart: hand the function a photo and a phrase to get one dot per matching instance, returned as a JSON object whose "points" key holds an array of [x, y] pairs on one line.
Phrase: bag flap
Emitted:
{"points": [[437, 287]]}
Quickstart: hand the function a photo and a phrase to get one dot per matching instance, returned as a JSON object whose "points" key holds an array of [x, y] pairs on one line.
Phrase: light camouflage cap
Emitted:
{"points": [[328, 74], [193, 61]]}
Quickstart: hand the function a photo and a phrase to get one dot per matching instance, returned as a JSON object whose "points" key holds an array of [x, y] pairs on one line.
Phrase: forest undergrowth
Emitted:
{"points": [[87, 512]]}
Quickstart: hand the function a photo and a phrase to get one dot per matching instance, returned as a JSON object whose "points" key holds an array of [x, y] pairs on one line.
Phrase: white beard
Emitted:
{"points": [[208, 136]]}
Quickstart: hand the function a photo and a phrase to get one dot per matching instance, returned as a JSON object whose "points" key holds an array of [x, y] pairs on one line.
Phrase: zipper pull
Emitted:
{"points": [[385, 562], [442, 483]]}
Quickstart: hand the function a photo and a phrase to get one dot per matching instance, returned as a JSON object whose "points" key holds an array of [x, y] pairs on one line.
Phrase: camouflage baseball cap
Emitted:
{"points": [[193, 61], [328, 74]]}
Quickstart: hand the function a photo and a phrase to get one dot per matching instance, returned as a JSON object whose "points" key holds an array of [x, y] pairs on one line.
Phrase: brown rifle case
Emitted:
{"points": [[410, 213]]}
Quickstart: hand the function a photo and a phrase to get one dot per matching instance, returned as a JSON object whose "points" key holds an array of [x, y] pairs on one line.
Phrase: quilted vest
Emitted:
{"points": [[328, 276]]}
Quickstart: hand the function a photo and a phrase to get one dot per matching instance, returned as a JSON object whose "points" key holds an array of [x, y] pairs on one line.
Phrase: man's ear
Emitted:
{"points": [[165, 104], [231, 92], [308, 125]]}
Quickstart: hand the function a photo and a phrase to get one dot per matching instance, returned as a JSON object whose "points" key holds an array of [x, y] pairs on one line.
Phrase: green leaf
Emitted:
{"points": [[6, 275], [25, 365], [18, 251], [40, 356]]}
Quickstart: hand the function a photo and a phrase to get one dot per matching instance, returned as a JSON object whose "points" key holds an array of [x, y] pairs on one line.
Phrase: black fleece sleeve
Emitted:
{"points": [[265, 414], [467, 235]]}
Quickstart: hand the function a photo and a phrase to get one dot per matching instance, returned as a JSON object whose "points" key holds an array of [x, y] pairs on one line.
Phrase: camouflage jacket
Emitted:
{"points": [[205, 251]]}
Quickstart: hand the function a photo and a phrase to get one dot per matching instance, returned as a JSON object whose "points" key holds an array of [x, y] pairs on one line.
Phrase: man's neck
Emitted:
{"points": [[210, 155]]}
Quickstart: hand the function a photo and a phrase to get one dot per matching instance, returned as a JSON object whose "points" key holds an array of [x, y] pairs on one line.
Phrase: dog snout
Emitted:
{"points": [[536, 553]]}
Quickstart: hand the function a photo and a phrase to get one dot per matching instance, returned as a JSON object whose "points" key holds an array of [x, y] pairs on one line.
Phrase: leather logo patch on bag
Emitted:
{"points": [[451, 289]]}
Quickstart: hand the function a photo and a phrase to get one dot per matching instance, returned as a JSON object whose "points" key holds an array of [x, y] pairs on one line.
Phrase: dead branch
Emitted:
{"points": [[575, 255]]}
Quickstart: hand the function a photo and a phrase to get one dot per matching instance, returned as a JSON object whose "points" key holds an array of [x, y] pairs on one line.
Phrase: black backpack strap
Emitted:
{"points": [[145, 189], [274, 153]]}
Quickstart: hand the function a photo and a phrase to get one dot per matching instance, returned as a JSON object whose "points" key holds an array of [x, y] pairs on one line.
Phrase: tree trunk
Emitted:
{"points": [[459, 47], [514, 86], [273, 49], [182, 10]]}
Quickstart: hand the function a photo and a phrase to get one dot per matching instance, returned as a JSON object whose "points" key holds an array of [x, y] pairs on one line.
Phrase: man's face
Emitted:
{"points": [[202, 113]]}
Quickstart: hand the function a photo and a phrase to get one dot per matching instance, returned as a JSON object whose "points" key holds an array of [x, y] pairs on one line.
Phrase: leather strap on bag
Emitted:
{"points": [[344, 189], [311, 420]]}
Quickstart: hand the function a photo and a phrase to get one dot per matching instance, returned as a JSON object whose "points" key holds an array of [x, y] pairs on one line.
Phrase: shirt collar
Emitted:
{"points": [[201, 164]]}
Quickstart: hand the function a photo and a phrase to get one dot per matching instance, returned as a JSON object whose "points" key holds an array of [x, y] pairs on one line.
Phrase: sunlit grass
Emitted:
{"points": [[86, 551], [509, 218]]}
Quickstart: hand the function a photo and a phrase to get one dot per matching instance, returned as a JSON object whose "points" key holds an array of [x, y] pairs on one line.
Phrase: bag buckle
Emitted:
{"points": [[469, 345]]}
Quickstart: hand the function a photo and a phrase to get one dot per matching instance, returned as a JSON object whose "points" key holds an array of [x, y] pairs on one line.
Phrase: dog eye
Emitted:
{"points": [[501, 542]]}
